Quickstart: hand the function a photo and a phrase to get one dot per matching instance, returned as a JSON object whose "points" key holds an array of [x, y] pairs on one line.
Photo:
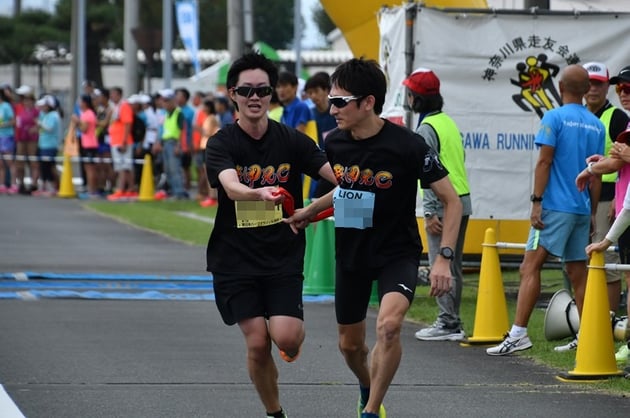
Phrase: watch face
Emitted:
{"points": [[446, 252]]}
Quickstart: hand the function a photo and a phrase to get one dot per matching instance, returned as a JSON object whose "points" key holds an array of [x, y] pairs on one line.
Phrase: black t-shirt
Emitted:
{"points": [[279, 158], [389, 165]]}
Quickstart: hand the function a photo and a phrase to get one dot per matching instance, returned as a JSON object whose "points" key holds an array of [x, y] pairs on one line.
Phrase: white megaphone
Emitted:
{"points": [[561, 317], [620, 329]]}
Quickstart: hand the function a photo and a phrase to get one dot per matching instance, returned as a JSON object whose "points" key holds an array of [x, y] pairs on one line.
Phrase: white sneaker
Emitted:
{"points": [[567, 347], [510, 345], [439, 332]]}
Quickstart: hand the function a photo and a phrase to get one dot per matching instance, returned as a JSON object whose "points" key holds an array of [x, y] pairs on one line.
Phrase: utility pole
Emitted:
{"points": [[132, 9], [297, 36], [167, 42], [235, 28], [77, 46], [17, 68]]}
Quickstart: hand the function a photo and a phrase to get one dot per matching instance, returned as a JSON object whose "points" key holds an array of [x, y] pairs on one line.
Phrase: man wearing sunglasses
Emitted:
{"points": [[378, 164], [257, 261], [615, 120], [599, 165]]}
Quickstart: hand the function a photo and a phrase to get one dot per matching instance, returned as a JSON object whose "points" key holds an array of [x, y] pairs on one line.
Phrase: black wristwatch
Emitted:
{"points": [[447, 252], [535, 198]]}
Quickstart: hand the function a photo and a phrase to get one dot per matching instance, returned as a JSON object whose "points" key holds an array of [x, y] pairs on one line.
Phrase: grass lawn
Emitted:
{"points": [[188, 222]]}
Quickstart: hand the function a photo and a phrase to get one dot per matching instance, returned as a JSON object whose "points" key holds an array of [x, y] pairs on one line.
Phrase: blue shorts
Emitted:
{"points": [[565, 235], [7, 144]]}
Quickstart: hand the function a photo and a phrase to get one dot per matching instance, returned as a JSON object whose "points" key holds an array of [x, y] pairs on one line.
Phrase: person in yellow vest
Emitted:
{"points": [[170, 145], [442, 134], [615, 120]]}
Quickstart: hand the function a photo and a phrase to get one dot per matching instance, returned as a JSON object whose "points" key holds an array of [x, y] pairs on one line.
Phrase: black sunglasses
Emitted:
{"points": [[342, 101], [248, 92]]}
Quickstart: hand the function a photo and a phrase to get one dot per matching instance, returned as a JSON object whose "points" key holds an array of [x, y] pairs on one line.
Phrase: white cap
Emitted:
{"points": [[145, 98], [133, 99], [167, 94], [47, 100], [24, 90], [596, 71]]}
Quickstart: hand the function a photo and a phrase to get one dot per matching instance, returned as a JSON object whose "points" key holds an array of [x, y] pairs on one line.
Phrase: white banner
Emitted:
{"points": [[188, 26], [499, 73]]}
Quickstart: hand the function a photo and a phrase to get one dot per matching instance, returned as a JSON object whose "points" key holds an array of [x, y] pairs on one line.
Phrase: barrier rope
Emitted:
{"points": [[73, 159]]}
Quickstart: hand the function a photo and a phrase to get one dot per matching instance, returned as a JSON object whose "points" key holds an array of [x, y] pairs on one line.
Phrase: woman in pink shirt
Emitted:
{"points": [[86, 123], [26, 138]]}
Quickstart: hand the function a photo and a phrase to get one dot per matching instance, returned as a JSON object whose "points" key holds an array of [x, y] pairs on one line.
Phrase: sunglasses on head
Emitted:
{"points": [[342, 101], [248, 92], [622, 87]]}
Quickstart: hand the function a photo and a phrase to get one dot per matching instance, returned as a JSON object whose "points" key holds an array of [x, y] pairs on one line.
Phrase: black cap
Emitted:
{"points": [[622, 77]]}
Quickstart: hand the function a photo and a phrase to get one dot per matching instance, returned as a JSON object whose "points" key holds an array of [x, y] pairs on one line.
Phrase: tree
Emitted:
{"points": [[322, 20], [20, 36]]}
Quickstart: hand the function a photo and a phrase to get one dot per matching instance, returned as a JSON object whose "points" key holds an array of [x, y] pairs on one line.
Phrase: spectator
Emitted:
{"points": [[442, 134], [296, 113], [26, 137], [50, 138], [104, 168], [170, 145], [224, 110], [615, 121], [86, 123], [121, 142], [7, 144], [182, 95], [209, 127], [317, 88], [560, 213]]}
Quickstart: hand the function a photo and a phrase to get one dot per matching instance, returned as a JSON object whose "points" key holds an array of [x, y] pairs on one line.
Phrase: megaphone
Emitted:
{"points": [[561, 317], [620, 329]]}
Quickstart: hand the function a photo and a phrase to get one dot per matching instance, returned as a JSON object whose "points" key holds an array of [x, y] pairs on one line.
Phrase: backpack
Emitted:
{"points": [[138, 129]]}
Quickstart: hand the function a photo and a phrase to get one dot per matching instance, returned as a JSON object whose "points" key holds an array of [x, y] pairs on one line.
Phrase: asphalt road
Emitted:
{"points": [[83, 357]]}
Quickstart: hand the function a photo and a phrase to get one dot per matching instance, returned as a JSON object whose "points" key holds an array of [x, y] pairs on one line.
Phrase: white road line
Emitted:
{"points": [[7, 408], [196, 217]]}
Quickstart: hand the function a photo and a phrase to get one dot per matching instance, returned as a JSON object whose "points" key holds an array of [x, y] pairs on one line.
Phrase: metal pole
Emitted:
{"points": [[17, 68], [410, 17], [248, 24], [80, 45], [167, 42], [297, 36], [74, 70], [132, 9], [235, 28]]}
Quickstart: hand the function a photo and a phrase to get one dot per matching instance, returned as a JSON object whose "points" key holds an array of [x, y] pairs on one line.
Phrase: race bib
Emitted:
{"points": [[353, 208], [256, 213]]}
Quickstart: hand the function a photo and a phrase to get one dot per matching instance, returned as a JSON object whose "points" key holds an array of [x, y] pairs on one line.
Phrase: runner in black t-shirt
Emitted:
{"points": [[256, 259], [377, 165]]}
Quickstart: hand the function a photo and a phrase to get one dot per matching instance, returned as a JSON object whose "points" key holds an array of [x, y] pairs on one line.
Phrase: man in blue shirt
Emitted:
{"points": [[296, 113]]}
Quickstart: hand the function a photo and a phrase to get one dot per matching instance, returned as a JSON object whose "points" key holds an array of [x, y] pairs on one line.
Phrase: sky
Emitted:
{"points": [[311, 39]]}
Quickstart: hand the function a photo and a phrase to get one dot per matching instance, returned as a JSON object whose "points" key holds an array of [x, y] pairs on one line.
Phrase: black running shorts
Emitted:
{"points": [[240, 298]]}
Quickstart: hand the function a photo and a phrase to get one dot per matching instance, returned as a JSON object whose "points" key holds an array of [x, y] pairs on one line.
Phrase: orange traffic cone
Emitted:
{"points": [[491, 317], [66, 188], [595, 356], [147, 188]]}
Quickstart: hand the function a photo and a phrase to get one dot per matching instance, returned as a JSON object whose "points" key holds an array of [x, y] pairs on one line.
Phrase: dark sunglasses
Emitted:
{"points": [[248, 92], [342, 101], [622, 87]]}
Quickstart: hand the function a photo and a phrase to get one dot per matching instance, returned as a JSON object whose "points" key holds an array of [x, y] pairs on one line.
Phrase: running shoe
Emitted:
{"points": [[440, 332], [360, 407], [290, 358], [567, 347], [510, 345]]}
